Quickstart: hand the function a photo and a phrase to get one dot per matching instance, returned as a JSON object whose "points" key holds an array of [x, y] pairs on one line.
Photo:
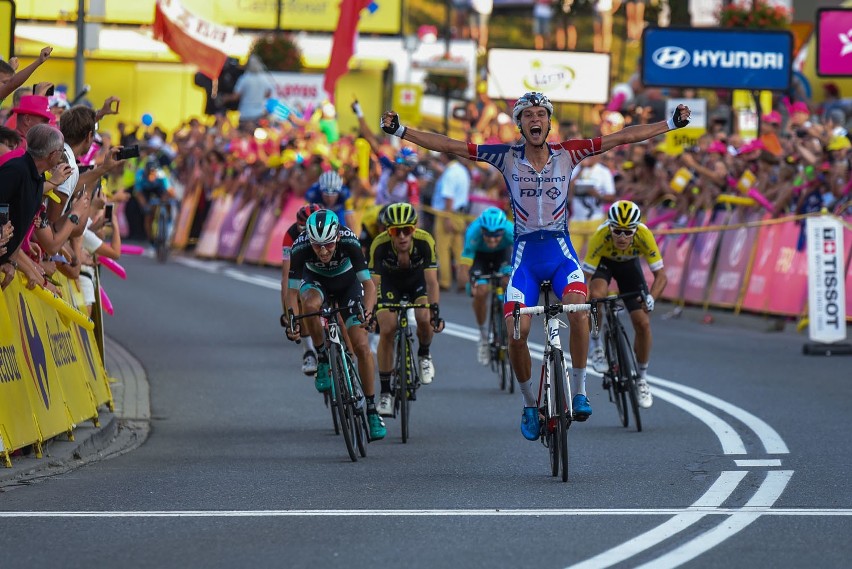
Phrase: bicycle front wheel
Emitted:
{"points": [[617, 384], [359, 408], [162, 238], [343, 397], [403, 381], [630, 373], [557, 379]]}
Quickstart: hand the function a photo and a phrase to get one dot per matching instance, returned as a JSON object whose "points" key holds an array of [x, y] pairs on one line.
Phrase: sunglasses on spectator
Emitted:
{"points": [[404, 230], [493, 234], [623, 232]]}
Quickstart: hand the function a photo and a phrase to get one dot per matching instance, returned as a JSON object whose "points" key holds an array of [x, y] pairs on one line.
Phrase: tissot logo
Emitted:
{"points": [[671, 57]]}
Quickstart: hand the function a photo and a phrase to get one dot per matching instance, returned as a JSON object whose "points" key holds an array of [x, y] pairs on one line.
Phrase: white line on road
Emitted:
{"points": [[768, 462]]}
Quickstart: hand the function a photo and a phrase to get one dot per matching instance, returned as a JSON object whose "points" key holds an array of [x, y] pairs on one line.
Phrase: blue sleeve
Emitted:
{"points": [[471, 240], [386, 162], [313, 195], [498, 155]]}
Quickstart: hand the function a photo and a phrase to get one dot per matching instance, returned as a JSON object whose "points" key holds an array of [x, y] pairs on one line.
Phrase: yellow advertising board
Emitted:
{"points": [[7, 29], [383, 17], [406, 102]]}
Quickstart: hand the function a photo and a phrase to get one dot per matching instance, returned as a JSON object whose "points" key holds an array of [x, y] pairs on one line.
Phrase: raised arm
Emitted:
{"points": [[429, 140], [21, 76], [366, 131], [641, 132]]}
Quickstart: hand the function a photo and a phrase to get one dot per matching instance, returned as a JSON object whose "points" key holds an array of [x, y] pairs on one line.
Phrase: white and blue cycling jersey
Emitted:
{"points": [[314, 195], [543, 250]]}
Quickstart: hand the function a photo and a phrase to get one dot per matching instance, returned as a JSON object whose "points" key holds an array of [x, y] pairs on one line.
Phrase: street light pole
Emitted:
{"points": [[79, 60]]}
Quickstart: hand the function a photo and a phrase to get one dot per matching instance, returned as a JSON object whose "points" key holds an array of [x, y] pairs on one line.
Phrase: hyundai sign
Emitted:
{"points": [[717, 58]]}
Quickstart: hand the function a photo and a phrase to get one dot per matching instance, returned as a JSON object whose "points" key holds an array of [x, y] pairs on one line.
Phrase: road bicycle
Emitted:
{"points": [[622, 373], [554, 391], [498, 336], [405, 380], [346, 396], [160, 228]]}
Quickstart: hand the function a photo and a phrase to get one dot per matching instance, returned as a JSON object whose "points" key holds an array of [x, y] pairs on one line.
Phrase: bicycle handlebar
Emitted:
{"points": [[550, 310], [609, 300]]}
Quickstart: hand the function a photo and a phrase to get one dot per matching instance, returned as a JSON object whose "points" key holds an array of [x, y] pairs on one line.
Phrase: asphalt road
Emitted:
{"points": [[744, 459]]}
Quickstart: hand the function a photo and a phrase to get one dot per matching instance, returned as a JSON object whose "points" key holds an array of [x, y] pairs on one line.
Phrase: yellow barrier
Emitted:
{"points": [[51, 374]]}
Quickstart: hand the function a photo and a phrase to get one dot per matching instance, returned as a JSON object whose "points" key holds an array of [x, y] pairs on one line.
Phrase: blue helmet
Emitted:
{"points": [[322, 227], [492, 220]]}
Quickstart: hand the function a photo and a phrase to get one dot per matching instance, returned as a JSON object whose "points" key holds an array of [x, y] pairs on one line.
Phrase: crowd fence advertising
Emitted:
{"points": [[834, 42], [826, 290], [717, 58], [740, 259], [565, 77], [52, 376]]}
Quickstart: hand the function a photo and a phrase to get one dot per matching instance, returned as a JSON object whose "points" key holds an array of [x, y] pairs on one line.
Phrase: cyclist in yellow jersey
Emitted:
{"points": [[403, 263], [614, 251]]}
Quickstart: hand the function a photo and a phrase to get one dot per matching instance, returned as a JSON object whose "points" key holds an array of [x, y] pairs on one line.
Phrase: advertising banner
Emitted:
{"points": [[208, 241], [675, 258], [777, 283], [717, 58], [834, 42], [234, 228], [299, 91], [272, 255], [194, 39], [260, 236], [565, 77], [826, 283], [701, 261], [734, 253]]}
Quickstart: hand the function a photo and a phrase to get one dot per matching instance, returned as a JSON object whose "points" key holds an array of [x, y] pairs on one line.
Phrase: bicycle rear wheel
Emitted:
{"points": [[630, 372], [548, 434], [162, 238], [359, 409], [403, 357], [342, 395], [331, 403], [617, 385], [557, 379]]}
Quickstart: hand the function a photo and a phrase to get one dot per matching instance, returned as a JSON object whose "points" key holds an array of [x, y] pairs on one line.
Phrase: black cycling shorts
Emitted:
{"points": [[391, 291], [629, 278], [340, 291]]}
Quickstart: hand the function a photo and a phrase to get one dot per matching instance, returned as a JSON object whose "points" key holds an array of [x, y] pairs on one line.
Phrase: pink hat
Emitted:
{"points": [[34, 105], [717, 147], [799, 107], [752, 146], [773, 117]]}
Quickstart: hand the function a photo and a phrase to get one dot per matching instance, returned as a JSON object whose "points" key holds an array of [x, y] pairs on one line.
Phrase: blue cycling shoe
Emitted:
{"points": [[530, 424], [322, 381], [582, 409]]}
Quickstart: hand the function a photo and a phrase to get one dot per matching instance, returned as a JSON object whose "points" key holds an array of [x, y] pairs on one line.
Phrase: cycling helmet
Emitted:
{"points": [[305, 212], [381, 217], [400, 214], [330, 182], [322, 227], [531, 99], [624, 214], [492, 220], [407, 157]]}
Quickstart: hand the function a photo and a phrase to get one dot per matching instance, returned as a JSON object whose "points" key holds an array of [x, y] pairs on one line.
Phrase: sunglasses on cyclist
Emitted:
{"points": [[404, 230], [623, 232], [493, 234], [327, 246]]}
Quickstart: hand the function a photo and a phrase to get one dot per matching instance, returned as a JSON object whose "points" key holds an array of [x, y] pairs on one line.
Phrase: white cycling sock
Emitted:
{"points": [[578, 380], [530, 399], [643, 370], [483, 333], [594, 344], [308, 344]]}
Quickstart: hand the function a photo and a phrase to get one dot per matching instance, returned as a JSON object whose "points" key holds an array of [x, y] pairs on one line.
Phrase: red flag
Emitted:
{"points": [[343, 43], [195, 40]]}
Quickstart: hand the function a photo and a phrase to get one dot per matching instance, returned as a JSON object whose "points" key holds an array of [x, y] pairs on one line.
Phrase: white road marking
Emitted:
{"points": [[766, 495], [767, 462]]}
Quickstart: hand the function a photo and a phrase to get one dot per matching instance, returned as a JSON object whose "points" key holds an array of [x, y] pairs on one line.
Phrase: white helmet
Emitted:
{"points": [[330, 182], [531, 99]]}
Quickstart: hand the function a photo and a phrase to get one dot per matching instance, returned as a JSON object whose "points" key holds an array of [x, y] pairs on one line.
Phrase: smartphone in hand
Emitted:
{"points": [[108, 214], [4, 213], [128, 152]]}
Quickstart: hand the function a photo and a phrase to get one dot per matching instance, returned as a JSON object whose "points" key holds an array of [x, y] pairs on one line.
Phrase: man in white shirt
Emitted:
{"points": [[451, 197], [592, 186]]}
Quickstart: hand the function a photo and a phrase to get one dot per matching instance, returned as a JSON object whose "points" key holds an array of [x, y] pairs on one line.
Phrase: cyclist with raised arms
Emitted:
{"points": [[537, 174], [487, 249], [614, 251], [331, 193], [309, 353], [403, 263], [327, 262]]}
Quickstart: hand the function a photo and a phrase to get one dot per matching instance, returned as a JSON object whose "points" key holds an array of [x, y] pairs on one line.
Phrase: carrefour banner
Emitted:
{"points": [[717, 58]]}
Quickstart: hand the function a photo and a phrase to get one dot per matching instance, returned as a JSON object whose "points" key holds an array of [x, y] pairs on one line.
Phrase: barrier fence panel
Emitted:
{"points": [[777, 282], [262, 229], [735, 251], [208, 241], [233, 227], [700, 266], [272, 254], [186, 215], [675, 259]]}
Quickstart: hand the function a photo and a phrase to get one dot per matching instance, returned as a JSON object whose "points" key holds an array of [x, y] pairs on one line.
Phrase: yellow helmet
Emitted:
{"points": [[399, 214]]}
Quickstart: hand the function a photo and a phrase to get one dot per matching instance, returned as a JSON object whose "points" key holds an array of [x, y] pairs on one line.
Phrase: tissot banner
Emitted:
{"points": [[826, 286], [717, 58]]}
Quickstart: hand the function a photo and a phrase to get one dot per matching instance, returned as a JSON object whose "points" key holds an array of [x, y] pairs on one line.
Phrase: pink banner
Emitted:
{"points": [[834, 45], [778, 281], [234, 227], [208, 241], [675, 259], [272, 256], [734, 252], [701, 259], [262, 228]]}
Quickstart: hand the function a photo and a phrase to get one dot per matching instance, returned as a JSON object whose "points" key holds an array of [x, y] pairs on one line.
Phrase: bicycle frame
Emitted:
{"points": [[554, 400], [498, 334]]}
